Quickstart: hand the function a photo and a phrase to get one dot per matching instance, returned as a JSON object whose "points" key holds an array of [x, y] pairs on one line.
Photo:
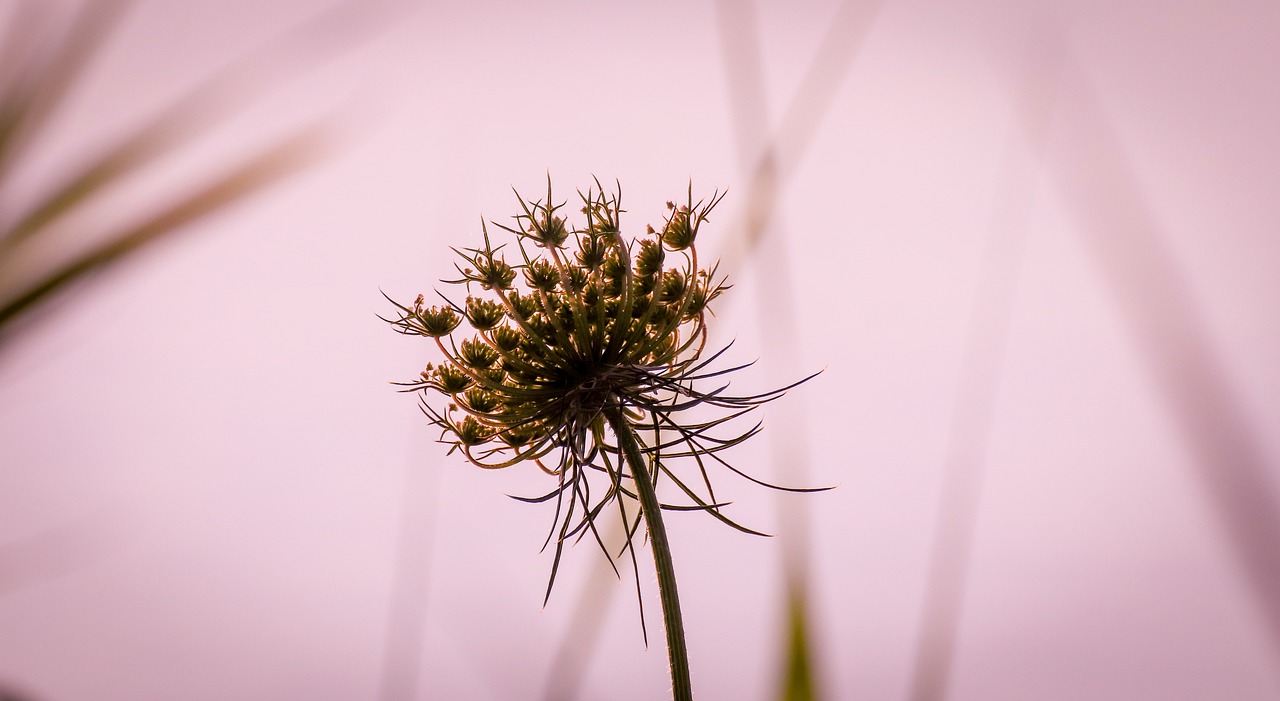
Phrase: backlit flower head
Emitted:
{"points": [[568, 319]]}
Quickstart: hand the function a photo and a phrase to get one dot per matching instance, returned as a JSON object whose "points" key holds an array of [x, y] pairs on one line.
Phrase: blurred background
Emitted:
{"points": [[1032, 245]]}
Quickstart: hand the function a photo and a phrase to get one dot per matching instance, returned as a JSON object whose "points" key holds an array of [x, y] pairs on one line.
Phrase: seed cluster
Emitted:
{"points": [[572, 322], [583, 318]]}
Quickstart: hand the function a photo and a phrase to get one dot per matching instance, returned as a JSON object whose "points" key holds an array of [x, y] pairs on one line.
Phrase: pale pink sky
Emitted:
{"points": [[208, 487]]}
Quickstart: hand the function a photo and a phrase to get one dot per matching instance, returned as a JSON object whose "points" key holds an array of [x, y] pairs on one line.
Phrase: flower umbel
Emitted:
{"points": [[578, 339]]}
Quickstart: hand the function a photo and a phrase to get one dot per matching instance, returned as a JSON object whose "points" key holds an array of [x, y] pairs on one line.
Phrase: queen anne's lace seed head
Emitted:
{"points": [[614, 323]]}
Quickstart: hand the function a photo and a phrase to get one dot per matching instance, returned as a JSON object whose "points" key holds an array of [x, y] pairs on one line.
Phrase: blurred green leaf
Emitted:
{"points": [[798, 683]]}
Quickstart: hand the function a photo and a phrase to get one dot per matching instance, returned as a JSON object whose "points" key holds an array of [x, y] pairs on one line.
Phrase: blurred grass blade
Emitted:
{"points": [[798, 682], [1035, 89], [107, 170], [267, 168], [770, 155], [26, 104], [573, 654], [35, 81], [180, 121], [19, 31], [1101, 189], [789, 141]]}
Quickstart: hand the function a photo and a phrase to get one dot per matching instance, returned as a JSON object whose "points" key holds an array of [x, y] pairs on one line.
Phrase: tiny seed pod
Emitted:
{"points": [[614, 267], [484, 314], [494, 274], [649, 259], [506, 339], [645, 285], [697, 302], [577, 280], [477, 355], [673, 285], [438, 321], [678, 235], [471, 432], [451, 380], [591, 251], [548, 231], [541, 275], [480, 401], [524, 305]]}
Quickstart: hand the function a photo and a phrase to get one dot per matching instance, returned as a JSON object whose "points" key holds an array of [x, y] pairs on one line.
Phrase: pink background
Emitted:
{"points": [[1044, 235]]}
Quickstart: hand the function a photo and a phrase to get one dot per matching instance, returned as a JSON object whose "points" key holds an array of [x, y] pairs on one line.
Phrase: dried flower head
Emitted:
{"points": [[574, 322]]}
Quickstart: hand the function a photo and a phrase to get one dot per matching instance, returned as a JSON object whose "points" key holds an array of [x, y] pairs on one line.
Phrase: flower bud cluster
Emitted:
{"points": [[573, 333], [574, 317]]}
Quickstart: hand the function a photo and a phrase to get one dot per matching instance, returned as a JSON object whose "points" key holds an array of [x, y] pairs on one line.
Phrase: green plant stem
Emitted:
{"points": [[677, 653]]}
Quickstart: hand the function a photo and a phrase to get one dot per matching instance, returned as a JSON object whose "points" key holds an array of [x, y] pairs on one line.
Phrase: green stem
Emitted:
{"points": [[678, 654]]}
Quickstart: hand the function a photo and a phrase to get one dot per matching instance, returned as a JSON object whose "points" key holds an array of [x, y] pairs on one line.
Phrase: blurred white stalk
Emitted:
{"points": [[1151, 291], [969, 433], [770, 158]]}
